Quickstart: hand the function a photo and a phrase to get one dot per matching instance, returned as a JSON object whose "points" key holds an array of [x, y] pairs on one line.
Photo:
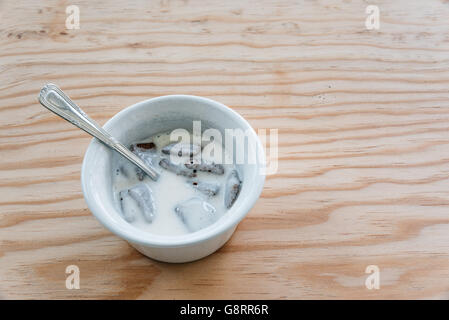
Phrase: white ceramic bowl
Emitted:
{"points": [[142, 120]]}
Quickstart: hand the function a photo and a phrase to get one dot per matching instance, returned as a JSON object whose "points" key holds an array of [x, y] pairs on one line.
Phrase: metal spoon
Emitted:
{"points": [[52, 98]]}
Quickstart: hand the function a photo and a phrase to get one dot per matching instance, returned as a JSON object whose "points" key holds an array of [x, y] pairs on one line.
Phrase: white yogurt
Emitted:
{"points": [[170, 189]]}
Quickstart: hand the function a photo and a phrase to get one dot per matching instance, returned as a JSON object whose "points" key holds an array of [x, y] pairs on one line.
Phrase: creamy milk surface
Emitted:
{"points": [[176, 204]]}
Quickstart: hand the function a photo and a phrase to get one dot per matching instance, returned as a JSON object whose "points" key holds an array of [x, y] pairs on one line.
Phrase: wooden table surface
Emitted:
{"points": [[363, 119]]}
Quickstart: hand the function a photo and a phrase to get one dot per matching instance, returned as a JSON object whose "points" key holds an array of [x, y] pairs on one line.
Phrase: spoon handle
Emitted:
{"points": [[55, 100]]}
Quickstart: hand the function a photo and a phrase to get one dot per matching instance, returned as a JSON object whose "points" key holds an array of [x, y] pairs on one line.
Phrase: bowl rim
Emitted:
{"points": [[174, 241]]}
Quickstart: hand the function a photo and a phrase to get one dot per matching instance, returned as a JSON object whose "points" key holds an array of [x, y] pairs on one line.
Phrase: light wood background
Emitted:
{"points": [[363, 119]]}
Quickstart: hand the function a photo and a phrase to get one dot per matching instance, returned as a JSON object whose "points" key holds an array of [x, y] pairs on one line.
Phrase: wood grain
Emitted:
{"points": [[363, 119]]}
